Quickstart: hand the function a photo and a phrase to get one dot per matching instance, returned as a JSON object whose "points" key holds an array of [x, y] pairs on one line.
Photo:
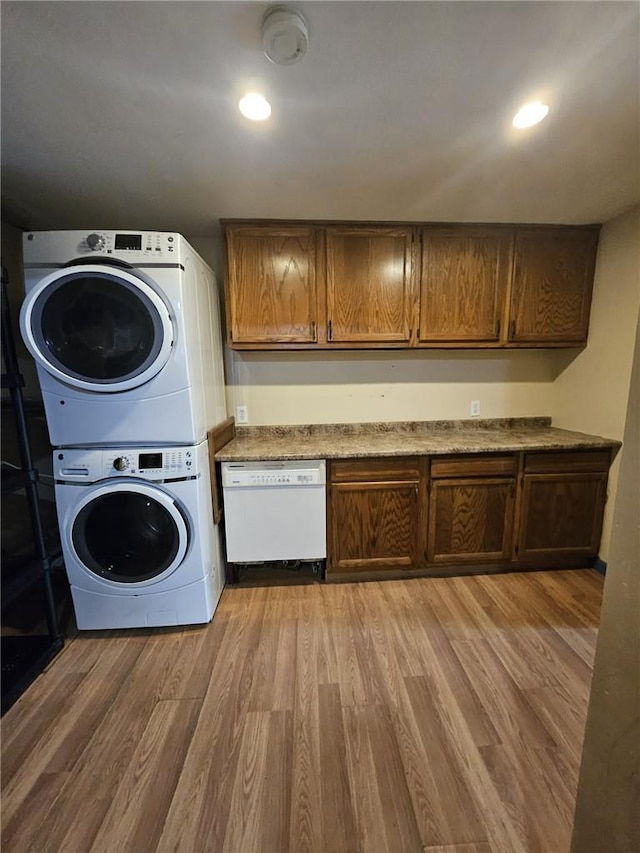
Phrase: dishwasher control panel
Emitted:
{"points": [[262, 475]]}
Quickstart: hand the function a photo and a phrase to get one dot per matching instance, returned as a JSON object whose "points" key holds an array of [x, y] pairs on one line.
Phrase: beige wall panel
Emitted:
{"points": [[591, 391], [288, 388], [609, 788]]}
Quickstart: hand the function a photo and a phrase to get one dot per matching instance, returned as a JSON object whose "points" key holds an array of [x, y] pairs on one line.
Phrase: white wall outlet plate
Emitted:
{"points": [[242, 414], [475, 408]]}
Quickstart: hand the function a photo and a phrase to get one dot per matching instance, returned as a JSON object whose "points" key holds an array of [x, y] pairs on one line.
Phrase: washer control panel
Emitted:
{"points": [[149, 463]]}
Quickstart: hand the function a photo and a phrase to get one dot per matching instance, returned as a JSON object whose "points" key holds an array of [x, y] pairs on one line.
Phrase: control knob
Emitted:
{"points": [[95, 241], [120, 463]]}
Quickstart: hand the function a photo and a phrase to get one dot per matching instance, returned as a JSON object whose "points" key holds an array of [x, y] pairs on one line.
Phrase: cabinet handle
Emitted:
{"points": [[512, 329], [330, 330], [313, 330]]}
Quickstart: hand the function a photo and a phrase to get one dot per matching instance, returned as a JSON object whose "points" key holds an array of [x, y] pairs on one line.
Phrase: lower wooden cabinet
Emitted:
{"points": [[562, 504], [479, 512], [375, 513], [471, 503], [470, 520]]}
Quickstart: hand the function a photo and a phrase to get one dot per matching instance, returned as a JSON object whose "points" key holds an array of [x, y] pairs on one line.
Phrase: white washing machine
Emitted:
{"points": [[125, 331], [138, 539]]}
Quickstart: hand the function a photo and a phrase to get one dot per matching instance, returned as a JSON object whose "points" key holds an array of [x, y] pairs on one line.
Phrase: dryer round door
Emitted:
{"points": [[128, 533], [97, 327]]}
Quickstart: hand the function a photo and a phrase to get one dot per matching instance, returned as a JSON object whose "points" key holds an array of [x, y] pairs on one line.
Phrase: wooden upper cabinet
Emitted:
{"points": [[552, 284], [369, 278], [463, 282], [271, 284], [319, 284]]}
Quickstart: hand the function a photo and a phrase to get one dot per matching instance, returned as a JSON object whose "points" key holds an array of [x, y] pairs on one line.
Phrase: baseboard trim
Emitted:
{"points": [[600, 566]]}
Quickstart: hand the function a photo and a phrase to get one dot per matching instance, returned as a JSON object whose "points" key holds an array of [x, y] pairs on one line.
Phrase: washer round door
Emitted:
{"points": [[129, 533], [97, 327]]}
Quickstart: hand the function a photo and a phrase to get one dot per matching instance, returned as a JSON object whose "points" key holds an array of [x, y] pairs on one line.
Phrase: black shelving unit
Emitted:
{"points": [[30, 576]]}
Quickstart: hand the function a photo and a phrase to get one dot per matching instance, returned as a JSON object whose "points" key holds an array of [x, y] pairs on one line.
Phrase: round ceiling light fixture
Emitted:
{"points": [[255, 106], [530, 114], [285, 36]]}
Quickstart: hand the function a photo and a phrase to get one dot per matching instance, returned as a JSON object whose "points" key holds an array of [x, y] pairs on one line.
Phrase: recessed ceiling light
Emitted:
{"points": [[530, 114], [255, 106]]}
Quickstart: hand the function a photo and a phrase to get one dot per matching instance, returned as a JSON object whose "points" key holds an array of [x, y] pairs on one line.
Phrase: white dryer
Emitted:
{"points": [[125, 331], [138, 539]]}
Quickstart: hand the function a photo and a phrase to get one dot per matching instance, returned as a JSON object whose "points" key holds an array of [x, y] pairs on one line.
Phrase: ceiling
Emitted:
{"points": [[125, 114]]}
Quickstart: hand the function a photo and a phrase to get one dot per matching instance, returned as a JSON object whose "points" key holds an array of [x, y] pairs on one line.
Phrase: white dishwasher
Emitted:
{"points": [[275, 510]]}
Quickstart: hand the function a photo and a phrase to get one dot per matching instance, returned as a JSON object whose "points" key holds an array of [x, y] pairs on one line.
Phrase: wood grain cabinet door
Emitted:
{"points": [[271, 284], [373, 526], [369, 278], [552, 284], [561, 514], [471, 520], [463, 283]]}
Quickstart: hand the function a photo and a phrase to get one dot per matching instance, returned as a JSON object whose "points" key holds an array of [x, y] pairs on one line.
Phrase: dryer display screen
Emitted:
{"points": [[128, 241], [149, 460]]}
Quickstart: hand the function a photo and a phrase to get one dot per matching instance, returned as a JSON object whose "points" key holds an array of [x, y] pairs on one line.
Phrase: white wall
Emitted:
{"points": [[591, 391]]}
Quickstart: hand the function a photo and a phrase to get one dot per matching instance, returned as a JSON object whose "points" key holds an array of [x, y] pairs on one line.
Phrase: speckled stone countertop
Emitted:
{"points": [[413, 438]]}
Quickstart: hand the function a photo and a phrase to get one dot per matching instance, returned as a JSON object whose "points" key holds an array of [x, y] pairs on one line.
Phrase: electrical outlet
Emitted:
{"points": [[242, 414], [475, 408]]}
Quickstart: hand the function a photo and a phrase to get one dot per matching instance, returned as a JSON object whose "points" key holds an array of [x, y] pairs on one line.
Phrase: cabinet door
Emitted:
{"points": [[463, 281], [373, 525], [471, 520], [552, 284], [271, 284], [561, 514], [369, 284]]}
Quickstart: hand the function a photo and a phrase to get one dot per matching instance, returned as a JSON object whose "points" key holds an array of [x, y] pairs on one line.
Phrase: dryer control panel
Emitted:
{"points": [[148, 463], [133, 246], [138, 248]]}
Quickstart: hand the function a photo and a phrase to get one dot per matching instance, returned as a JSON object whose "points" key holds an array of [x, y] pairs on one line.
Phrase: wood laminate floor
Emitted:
{"points": [[427, 715]]}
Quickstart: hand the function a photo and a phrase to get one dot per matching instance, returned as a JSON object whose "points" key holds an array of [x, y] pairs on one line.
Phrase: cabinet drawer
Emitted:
{"points": [[567, 460], [390, 468], [472, 466]]}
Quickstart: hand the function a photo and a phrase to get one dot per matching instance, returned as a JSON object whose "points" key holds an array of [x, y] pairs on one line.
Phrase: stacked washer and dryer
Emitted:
{"points": [[125, 331]]}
